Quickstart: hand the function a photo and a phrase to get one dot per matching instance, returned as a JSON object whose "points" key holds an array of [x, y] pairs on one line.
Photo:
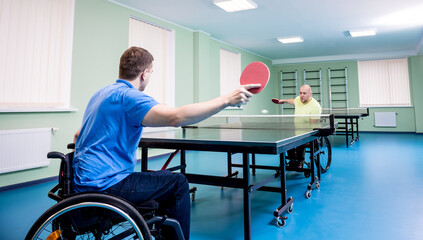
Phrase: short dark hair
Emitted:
{"points": [[134, 61]]}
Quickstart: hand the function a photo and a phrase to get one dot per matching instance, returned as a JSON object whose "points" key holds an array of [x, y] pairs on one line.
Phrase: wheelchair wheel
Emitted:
{"points": [[326, 153], [90, 216]]}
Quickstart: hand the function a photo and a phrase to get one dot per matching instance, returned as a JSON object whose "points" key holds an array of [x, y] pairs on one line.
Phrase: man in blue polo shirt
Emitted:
{"points": [[105, 150]]}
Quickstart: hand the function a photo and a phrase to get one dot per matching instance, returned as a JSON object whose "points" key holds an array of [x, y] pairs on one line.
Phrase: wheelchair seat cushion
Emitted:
{"points": [[147, 205]]}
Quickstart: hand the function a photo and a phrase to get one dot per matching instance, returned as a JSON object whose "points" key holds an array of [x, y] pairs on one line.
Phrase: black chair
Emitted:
{"points": [[96, 215]]}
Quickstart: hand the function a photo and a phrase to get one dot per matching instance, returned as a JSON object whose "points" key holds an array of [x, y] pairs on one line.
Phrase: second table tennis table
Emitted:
{"points": [[349, 125], [246, 135]]}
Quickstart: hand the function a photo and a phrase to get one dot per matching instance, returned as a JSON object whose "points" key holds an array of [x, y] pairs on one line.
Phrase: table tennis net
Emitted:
{"points": [[266, 122], [345, 111]]}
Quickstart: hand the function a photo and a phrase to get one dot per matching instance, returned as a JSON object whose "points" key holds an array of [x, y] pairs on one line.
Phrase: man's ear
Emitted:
{"points": [[142, 75]]}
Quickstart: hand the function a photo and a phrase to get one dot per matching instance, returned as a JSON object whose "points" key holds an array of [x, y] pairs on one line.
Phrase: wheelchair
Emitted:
{"points": [[322, 144], [96, 215]]}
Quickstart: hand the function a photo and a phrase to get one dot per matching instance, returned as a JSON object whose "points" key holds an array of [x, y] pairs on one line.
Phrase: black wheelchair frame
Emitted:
{"points": [[323, 147], [96, 215]]}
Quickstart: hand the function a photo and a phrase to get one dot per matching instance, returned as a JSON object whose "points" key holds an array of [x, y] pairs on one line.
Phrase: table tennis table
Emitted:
{"points": [[248, 135], [349, 125]]}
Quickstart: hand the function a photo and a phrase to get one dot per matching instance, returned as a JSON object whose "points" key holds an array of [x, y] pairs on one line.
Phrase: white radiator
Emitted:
{"points": [[385, 119], [24, 148]]}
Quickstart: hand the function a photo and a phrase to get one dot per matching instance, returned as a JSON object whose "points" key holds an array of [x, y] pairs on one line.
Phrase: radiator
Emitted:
{"points": [[385, 119], [24, 149]]}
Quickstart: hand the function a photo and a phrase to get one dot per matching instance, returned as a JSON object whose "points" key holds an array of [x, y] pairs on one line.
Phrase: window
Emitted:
{"points": [[160, 43], [35, 53], [230, 71], [384, 83]]}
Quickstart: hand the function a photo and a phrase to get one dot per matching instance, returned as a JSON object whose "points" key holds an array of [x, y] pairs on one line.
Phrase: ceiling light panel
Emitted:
{"points": [[362, 33], [295, 39], [235, 5]]}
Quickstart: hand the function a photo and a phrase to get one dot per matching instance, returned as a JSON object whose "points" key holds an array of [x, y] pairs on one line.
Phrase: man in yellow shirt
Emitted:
{"points": [[304, 104]]}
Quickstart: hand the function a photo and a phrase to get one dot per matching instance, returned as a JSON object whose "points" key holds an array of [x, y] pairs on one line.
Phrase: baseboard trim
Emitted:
{"points": [[27, 184], [55, 178]]}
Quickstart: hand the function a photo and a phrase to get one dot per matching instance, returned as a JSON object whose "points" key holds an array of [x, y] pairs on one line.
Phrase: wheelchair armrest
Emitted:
{"points": [[71, 146], [56, 155]]}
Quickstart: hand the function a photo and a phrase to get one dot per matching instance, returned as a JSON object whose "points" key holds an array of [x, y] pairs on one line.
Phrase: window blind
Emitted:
{"points": [[160, 43], [35, 53], [230, 71], [384, 83]]}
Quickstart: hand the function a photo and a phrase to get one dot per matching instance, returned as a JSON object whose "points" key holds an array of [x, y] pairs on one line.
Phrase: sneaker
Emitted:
{"points": [[300, 163]]}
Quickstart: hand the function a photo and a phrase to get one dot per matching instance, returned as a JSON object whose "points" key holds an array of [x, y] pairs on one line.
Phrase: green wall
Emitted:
{"points": [[416, 68], [100, 37], [101, 32], [409, 119]]}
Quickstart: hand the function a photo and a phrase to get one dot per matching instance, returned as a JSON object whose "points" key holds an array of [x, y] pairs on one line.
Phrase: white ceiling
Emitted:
{"points": [[323, 25]]}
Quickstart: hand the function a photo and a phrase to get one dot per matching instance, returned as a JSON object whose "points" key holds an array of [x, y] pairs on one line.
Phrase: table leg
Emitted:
{"points": [[347, 133], [312, 162], [144, 159], [246, 193], [286, 205], [319, 171], [253, 163], [229, 163], [314, 181], [356, 128], [183, 161], [283, 178]]}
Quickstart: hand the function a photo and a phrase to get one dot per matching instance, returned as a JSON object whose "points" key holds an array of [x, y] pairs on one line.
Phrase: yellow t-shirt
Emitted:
{"points": [[311, 108]]}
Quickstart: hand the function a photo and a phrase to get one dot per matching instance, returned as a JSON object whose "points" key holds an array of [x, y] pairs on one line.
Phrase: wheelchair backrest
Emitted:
{"points": [[66, 176], [65, 186]]}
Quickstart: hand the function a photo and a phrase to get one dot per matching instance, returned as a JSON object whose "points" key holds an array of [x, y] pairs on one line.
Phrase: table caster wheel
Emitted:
{"points": [[290, 209], [308, 194], [280, 221]]}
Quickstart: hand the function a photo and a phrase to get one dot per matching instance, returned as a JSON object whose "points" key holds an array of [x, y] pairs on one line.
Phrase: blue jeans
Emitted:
{"points": [[171, 190]]}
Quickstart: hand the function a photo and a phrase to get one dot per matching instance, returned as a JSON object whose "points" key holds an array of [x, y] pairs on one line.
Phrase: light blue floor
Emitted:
{"points": [[373, 190]]}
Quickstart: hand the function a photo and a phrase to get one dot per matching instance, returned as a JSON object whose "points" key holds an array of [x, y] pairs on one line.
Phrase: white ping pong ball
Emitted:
{"points": [[264, 111]]}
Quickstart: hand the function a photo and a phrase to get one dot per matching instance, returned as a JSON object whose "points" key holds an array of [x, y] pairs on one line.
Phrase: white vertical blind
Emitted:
{"points": [[35, 53], [384, 83], [230, 71], [161, 44]]}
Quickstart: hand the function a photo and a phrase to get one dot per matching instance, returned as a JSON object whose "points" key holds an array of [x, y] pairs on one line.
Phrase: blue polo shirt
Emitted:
{"points": [[105, 152]]}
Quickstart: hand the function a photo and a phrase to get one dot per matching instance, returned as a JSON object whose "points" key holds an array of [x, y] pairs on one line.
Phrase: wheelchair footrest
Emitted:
{"points": [[167, 222]]}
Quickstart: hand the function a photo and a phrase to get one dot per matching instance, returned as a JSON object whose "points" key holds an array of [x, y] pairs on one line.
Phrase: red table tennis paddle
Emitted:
{"points": [[275, 100], [255, 73]]}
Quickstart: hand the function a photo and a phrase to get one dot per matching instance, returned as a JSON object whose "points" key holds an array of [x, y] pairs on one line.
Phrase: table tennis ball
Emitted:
{"points": [[264, 111]]}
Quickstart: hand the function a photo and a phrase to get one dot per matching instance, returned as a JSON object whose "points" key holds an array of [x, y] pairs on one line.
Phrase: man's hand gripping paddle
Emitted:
{"points": [[275, 100], [255, 73]]}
